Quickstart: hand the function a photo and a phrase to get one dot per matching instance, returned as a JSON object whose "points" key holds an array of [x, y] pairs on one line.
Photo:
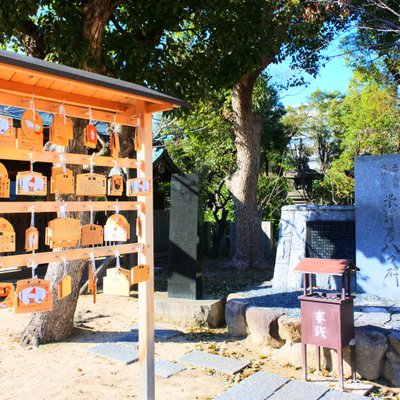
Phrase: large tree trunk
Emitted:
{"points": [[58, 324], [243, 183]]}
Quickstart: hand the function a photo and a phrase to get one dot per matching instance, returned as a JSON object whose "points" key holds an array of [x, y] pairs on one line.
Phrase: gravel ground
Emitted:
{"points": [[287, 299]]}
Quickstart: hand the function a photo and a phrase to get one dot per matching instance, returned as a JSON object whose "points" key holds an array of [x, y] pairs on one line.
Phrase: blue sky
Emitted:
{"points": [[334, 76]]}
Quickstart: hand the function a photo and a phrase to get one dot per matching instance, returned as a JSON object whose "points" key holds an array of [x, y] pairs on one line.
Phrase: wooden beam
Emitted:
{"points": [[23, 260], [146, 289], [63, 97], [19, 207], [69, 158], [154, 108], [52, 107]]}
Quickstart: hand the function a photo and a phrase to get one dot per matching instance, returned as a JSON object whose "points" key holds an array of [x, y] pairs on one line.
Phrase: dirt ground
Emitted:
{"points": [[67, 371]]}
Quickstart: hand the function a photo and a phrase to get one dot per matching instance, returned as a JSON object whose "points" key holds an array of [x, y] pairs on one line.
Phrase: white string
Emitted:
{"points": [[90, 116], [63, 210], [32, 265], [65, 265], [138, 121], [91, 161], [32, 216], [62, 161], [116, 206], [31, 161], [91, 215], [62, 112], [92, 260], [32, 106], [117, 262]]}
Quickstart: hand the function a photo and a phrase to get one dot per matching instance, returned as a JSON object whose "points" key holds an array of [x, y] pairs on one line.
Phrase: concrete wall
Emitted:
{"points": [[292, 238]]}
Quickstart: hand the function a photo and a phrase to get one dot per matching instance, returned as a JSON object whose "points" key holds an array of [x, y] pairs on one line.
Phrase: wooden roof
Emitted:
{"points": [[50, 84], [324, 266]]}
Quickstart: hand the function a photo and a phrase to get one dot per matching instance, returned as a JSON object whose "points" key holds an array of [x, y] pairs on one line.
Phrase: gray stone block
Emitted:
{"points": [[166, 369], [371, 346], [394, 341], [160, 333], [116, 352], [337, 395], [391, 368], [263, 326], [190, 313], [213, 361], [259, 386], [235, 317], [300, 390]]}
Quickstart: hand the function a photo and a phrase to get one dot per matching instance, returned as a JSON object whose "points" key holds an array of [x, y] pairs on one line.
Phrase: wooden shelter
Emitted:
{"points": [[24, 80]]}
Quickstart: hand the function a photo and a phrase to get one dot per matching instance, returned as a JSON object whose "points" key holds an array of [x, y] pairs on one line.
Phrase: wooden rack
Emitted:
{"points": [[54, 206]]}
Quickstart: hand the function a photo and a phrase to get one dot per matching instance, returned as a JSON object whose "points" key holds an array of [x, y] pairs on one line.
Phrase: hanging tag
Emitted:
{"points": [[31, 239], [92, 235], [115, 185], [7, 236], [33, 295], [30, 136], [139, 228], [4, 181], [31, 183], [64, 285], [7, 295], [117, 282], [92, 285], [114, 144], [62, 130], [117, 229], [63, 232], [91, 185], [140, 273], [62, 181], [137, 187], [7, 133]]}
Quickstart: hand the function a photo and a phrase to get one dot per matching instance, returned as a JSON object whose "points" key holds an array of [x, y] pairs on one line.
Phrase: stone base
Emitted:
{"points": [[189, 313]]}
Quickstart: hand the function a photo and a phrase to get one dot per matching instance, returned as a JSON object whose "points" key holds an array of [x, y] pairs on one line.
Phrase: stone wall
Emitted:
{"points": [[292, 238]]}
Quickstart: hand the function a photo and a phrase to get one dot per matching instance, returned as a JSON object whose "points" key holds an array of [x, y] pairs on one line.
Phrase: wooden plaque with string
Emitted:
{"points": [[115, 185], [33, 295], [140, 273], [64, 287], [92, 281], [117, 229], [92, 235], [31, 239], [61, 131], [7, 295], [62, 181], [138, 187], [90, 139], [30, 136], [7, 133], [31, 183], [115, 147], [7, 236], [91, 185], [116, 283], [4, 182], [63, 232]]}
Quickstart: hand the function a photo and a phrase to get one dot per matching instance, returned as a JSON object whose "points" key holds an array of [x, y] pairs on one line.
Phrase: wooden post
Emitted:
{"points": [[146, 289]]}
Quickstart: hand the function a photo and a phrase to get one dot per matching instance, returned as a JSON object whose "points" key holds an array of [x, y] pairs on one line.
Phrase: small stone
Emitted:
{"points": [[235, 317], [371, 346], [289, 329], [391, 368], [263, 326]]}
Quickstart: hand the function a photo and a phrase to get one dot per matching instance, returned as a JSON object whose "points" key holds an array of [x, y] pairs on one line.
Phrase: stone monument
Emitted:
{"points": [[184, 270], [377, 211]]}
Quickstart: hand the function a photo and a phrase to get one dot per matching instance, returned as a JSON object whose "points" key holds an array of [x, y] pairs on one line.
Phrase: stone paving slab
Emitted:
{"points": [[300, 390], [116, 352], [166, 369], [222, 364], [160, 333], [337, 395], [259, 386]]}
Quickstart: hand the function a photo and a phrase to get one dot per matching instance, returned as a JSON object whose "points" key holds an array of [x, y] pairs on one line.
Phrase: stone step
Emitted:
{"points": [[259, 386], [222, 364], [116, 352]]}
